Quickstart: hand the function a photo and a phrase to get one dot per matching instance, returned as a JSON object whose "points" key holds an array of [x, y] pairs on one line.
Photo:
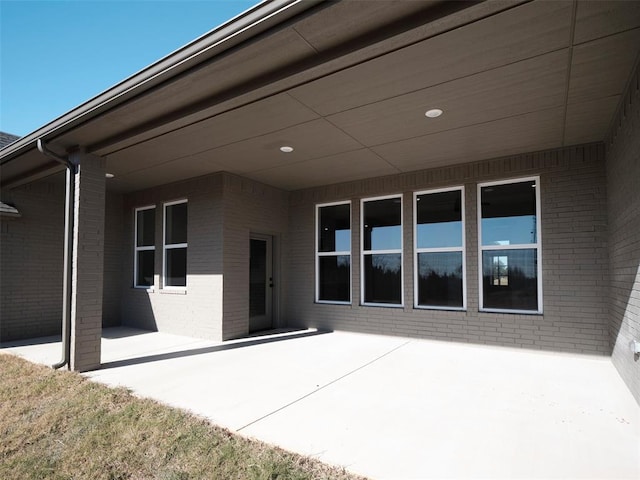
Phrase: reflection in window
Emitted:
{"points": [[510, 247], [382, 251], [175, 244], [333, 253], [382, 278], [500, 269], [145, 228], [439, 241], [510, 280], [509, 214]]}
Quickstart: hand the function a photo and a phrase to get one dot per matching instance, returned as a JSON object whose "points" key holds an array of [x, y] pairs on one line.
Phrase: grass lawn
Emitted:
{"points": [[59, 425]]}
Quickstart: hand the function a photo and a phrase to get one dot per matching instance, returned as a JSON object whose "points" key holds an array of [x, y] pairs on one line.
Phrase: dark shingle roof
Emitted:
{"points": [[7, 138]]}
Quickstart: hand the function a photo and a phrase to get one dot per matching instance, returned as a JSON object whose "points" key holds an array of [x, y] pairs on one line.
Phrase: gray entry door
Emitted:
{"points": [[261, 283]]}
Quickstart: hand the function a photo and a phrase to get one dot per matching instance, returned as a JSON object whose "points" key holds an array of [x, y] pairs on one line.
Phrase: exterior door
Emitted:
{"points": [[260, 283]]}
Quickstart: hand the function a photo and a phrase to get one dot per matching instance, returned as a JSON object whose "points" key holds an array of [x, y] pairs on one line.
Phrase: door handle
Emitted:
{"points": [[270, 282]]}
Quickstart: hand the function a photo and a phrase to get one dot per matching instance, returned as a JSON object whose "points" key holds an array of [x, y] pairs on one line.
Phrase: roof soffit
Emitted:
{"points": [[508, 75]]}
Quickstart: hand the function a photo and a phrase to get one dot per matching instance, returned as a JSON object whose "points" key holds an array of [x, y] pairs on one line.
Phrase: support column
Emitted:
{"points": [[88, 262]]}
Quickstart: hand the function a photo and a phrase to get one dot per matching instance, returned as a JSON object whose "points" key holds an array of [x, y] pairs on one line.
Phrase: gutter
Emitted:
{"points": [[68, 251], [237, 30]]}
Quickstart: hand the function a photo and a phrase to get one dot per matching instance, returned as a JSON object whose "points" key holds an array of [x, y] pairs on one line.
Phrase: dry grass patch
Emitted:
{"points": [[59, 425]]}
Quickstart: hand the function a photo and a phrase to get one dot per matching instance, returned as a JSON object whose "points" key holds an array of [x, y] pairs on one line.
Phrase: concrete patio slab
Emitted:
{"points": [[390, 407]]}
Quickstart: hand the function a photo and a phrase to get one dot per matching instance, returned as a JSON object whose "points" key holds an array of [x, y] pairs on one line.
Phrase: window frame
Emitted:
{"points": [[417, 250], [171, 246], [364, 252], [137, 249], [336, 253], [520, 246]]}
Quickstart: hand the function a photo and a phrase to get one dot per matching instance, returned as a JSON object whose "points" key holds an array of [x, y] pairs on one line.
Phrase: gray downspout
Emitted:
{"points": [[68, 251]]}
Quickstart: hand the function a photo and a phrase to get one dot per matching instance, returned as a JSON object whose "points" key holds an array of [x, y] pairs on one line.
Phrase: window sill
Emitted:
{"points": [[441, 309], [329, 302], [514, 312], [384, 305], [144, 289], [173, 291]]}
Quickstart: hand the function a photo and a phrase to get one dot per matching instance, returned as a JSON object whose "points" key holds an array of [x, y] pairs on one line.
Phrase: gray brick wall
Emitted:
{"points": [[623, 179], [113, 259], [197, 311], [31, 255], [88, 262], [250, 207], [575, 271], [216, 202]]}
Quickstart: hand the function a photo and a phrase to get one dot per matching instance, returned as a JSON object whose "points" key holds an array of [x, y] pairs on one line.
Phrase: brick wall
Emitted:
{"points": [[575, 271], [31, 255], [196, 311], [623, 179], [223, 210], [88, 262], [113, 259], [250, 207]]}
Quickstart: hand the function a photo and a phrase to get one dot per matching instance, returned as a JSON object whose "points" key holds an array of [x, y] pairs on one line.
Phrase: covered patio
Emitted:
{"points": [[388, 407]]}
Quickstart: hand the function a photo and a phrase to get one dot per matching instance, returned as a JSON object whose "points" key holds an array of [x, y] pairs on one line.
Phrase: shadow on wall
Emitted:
{"points": [[625, 315]]}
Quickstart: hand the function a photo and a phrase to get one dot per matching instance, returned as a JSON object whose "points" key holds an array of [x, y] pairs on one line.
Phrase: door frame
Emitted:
{"points": [[273, 261]]}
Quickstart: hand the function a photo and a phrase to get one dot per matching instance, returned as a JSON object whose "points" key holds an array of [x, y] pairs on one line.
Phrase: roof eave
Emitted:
{"points": [[239, 29]]}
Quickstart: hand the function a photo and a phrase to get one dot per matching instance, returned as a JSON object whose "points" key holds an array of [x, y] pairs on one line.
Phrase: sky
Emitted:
{"points": [[55, 55]]}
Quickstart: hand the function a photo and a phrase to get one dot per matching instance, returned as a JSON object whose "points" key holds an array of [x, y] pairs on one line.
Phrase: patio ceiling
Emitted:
{"points": [[347, 85]]}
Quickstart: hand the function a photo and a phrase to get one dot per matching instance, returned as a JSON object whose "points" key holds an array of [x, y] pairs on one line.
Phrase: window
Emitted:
{"points": [[145, 249], [333, 253], [175, 244], [510, 246], [439, 249], [382, 282]]}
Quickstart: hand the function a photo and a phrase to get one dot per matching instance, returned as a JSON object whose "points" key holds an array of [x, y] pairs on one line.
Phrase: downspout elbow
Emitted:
{"points": [[54, 156]]}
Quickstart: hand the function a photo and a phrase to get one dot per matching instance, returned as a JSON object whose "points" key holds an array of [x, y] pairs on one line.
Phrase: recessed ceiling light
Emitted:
{"points": [[109, 175], [286, 149], [433, 113]]}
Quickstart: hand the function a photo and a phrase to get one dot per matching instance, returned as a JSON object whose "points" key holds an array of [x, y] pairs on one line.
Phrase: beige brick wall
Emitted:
{"points": [[31, 259], [623, 178], [575, 271]]}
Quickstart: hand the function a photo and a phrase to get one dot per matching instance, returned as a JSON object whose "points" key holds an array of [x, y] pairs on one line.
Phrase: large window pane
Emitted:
{"points": [[176, 223], [335, 228], [510, 279], [439, 220], [176, 267], [383, 224], [509, 214], [146, 227], [382, 278], [145, 259], [333, 257], [440, 279], [335, 278]]}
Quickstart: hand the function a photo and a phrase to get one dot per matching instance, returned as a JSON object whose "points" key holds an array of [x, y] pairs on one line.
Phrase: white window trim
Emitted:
{"points": [[364, 252], [137, 249], [170, 246], [333, 254], [417, 250], [524, 246]]}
